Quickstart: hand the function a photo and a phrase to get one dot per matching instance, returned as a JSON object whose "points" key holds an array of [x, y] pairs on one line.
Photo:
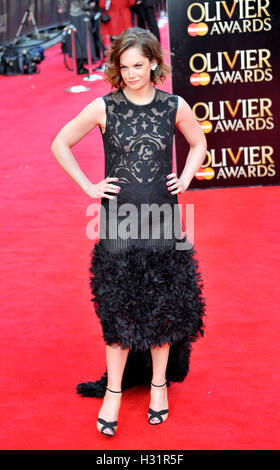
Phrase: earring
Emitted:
{"points": [[154, 67]]}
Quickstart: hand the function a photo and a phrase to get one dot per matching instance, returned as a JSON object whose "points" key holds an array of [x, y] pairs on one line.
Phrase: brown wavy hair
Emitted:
{"points": [[149, 46]]}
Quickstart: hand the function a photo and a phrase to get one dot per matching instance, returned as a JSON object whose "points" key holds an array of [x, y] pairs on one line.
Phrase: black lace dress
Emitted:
{"points": [[143, 274]]}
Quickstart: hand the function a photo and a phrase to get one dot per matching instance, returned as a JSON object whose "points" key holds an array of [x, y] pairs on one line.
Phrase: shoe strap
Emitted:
{"points": [[107, 424], [113, 391], [157, 414], [159, 385]]}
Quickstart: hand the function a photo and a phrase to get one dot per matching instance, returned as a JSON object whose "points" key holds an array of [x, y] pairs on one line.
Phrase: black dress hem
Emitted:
{"points": [[145, 298]]}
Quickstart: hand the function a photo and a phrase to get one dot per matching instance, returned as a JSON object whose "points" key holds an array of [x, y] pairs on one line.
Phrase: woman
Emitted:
{"points": [[120, 14], [145, 287]]}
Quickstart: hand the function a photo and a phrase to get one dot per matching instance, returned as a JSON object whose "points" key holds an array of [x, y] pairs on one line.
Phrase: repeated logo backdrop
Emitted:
{"points": [[226, 66]]}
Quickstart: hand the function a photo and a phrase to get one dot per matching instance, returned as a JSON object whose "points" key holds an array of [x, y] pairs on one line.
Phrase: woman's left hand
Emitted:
{"points": [[175, 185]]}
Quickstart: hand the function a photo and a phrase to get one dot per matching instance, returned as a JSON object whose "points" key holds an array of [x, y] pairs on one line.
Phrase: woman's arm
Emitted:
{"points": [[191, 130], [92, 115]]}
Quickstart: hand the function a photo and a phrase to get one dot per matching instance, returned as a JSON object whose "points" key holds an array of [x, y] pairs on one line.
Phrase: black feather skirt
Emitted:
{"points": [[146, 297]]}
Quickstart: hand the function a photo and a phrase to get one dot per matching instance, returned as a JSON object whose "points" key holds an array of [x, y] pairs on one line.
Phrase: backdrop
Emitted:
{"points": [[226, 66]]}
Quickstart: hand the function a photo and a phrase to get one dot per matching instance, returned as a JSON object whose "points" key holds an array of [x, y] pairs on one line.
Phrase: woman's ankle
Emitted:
{"points": [[114, 389], [158, 382]]}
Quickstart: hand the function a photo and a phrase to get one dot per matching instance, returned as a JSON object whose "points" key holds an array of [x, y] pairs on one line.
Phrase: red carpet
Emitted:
{"points": [[51, 338]]}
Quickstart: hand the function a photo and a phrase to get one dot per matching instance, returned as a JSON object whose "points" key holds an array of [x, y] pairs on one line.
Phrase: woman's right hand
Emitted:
{"points": [[100, 189]]}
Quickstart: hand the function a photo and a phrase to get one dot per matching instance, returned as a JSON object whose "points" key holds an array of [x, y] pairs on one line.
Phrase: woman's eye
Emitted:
{"points": [[123, 67]]}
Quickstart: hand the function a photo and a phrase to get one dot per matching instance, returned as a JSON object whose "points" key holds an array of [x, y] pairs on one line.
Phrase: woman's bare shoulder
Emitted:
{"points": [[184, 110], [94, 112], [98, 104], [182, 103]]}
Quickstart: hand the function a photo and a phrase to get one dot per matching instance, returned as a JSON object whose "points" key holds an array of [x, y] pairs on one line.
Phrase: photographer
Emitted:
{"points": [[80, 9], [145, 10]]}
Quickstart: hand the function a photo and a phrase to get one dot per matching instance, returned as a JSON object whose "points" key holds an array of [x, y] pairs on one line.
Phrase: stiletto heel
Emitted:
{"points": [[157, 414], [108, 424]]}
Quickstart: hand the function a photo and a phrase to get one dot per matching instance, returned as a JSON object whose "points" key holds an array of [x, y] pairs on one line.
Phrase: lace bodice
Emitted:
{"points": [[138, 144], [138, 138]]}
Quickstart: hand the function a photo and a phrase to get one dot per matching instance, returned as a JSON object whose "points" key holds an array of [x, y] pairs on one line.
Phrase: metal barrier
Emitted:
{"points": [[91, 77], [71, 30]]}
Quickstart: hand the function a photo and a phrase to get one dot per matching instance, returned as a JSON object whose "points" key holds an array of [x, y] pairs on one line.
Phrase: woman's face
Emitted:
{"points": [[135, 68]]}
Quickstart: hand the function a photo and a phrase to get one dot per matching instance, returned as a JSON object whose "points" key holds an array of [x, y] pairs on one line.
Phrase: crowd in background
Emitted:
{"points": [[117, 15]]}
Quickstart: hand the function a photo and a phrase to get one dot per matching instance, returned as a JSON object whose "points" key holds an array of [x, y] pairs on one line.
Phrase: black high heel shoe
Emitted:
{"points": [[108, 424], [157, 414]]}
